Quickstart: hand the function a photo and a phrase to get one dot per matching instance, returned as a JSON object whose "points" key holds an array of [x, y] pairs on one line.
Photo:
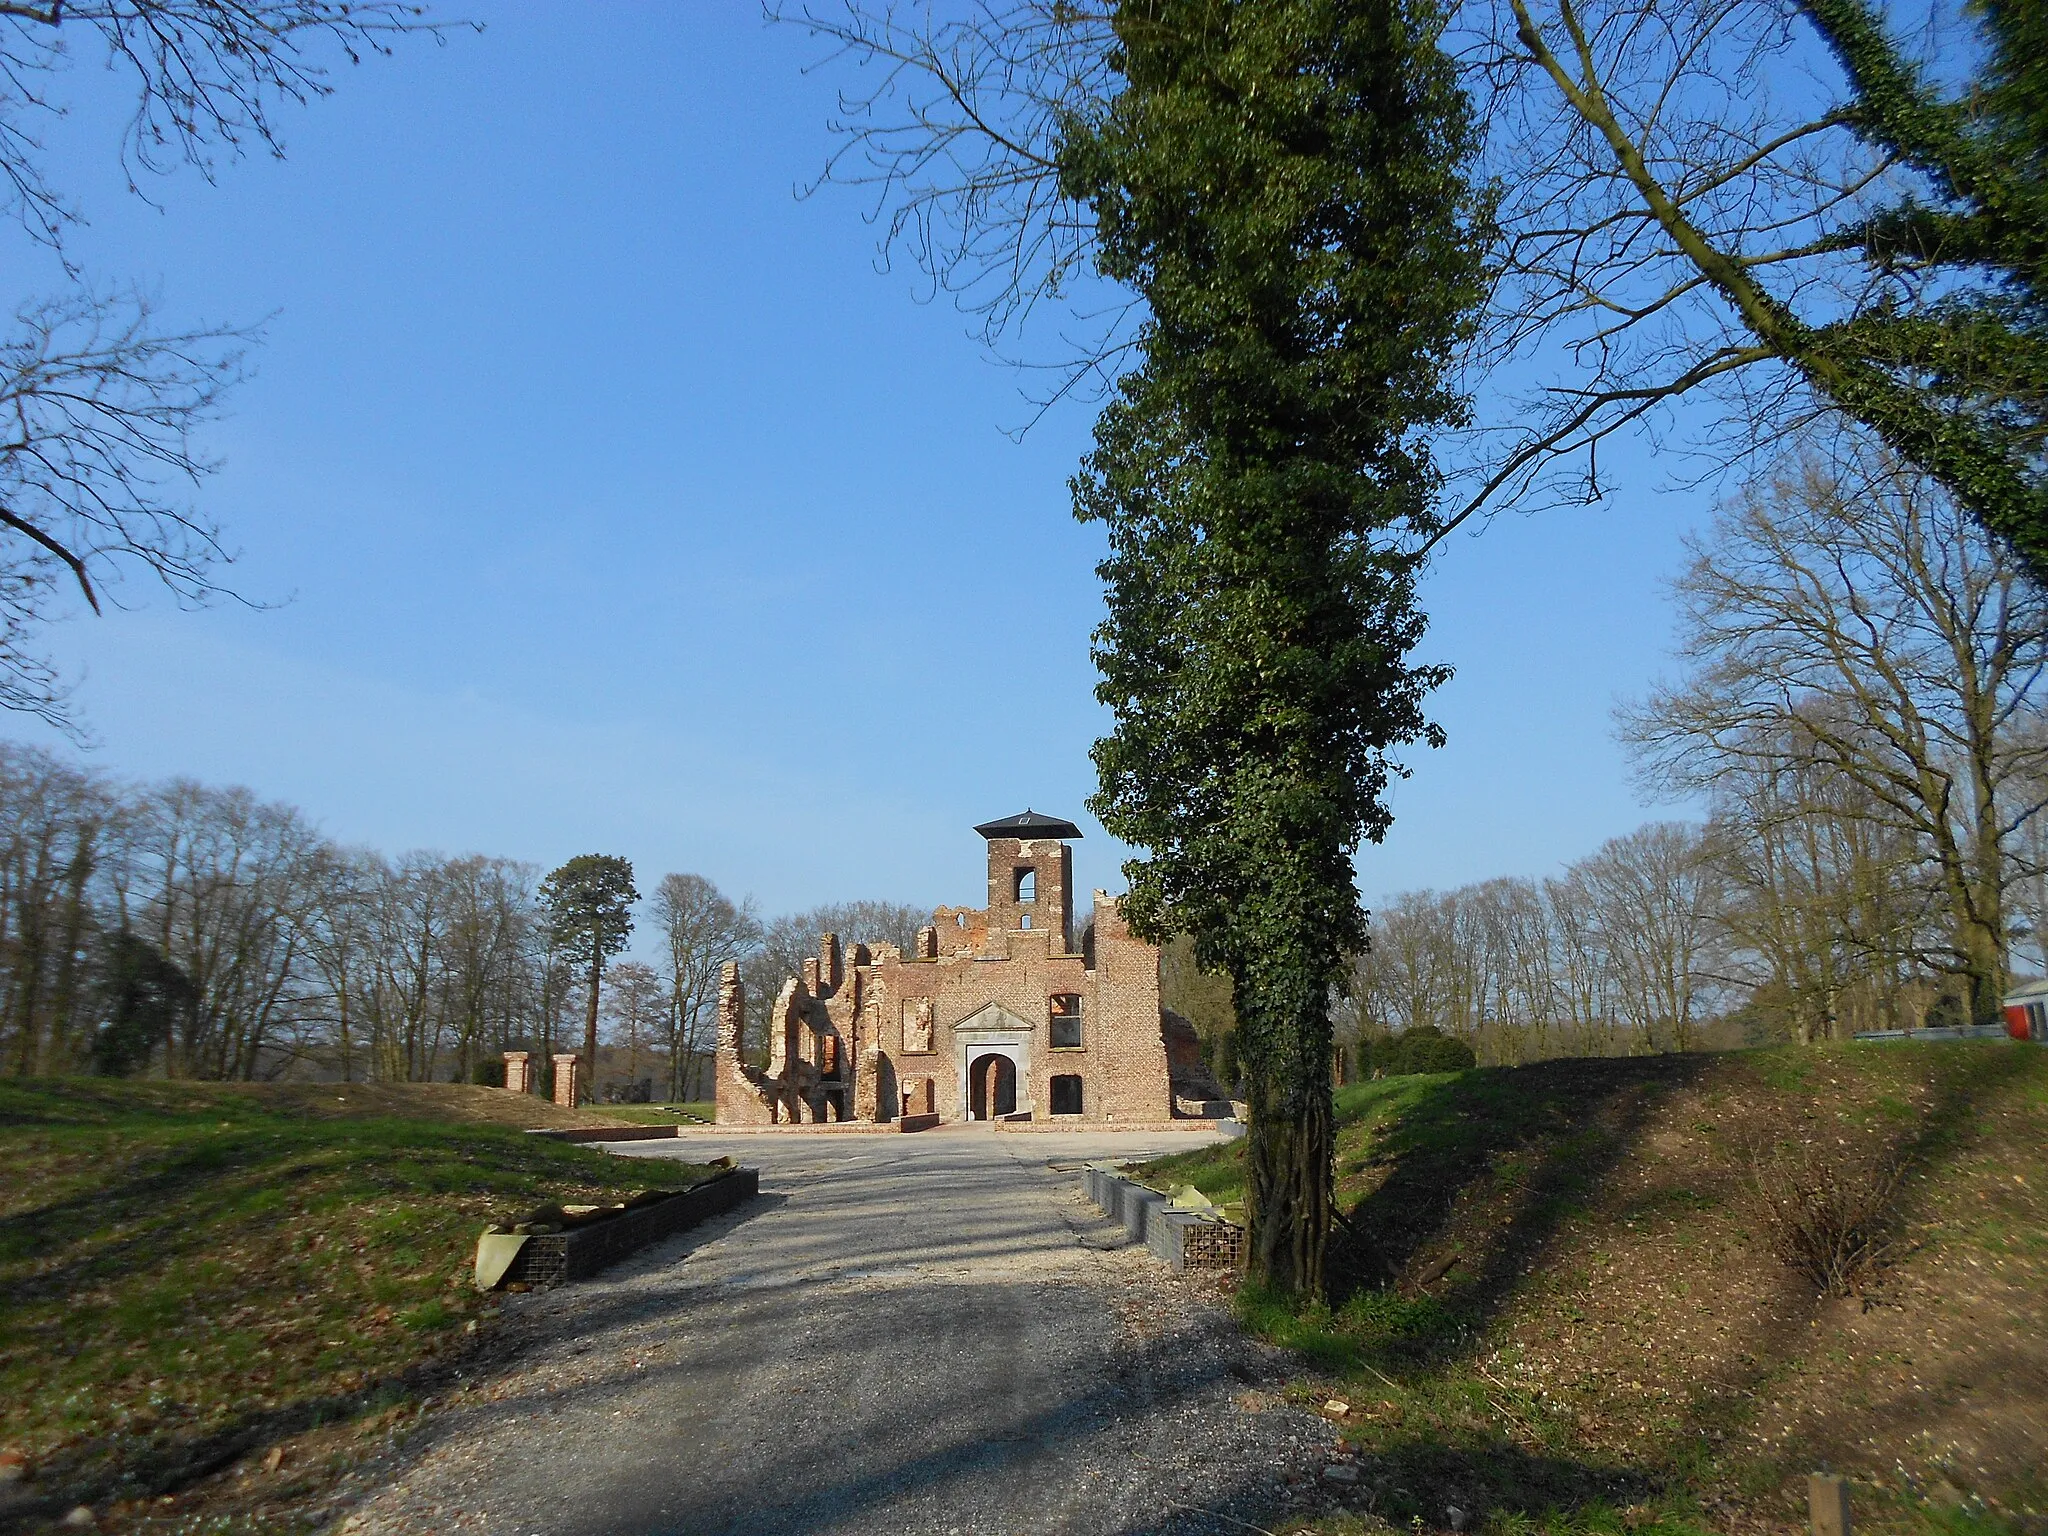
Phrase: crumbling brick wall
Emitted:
{"points": [[888, 1021]]}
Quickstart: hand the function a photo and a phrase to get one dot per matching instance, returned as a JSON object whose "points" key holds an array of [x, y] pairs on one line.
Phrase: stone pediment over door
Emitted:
{"points": [[992, 1019]]}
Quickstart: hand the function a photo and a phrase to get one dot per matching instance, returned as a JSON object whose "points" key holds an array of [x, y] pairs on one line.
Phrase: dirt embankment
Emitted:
{"points": [[443, 1103], [1626, 1254], [1570, 1270]]}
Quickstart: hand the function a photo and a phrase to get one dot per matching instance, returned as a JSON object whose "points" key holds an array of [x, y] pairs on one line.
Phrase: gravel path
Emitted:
{"points": [[931, 1333]]}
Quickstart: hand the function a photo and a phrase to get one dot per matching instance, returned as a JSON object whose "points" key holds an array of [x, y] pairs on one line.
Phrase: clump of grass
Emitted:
{"points": [[1217, 1171], [1373, 1333]]}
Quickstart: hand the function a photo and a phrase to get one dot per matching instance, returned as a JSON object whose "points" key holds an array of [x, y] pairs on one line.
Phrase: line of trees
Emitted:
{"points": [[1610, 957], [1861, 709], [179, 930]]}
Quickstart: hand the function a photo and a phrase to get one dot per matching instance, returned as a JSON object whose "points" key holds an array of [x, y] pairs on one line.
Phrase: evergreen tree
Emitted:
{"points": [[589, 901], [1282, 182], [1956, 378], [146, 998]]}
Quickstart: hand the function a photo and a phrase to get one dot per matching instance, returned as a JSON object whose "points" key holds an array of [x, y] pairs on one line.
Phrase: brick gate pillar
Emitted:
{"points": [[567, 1079], [519, 1071]]}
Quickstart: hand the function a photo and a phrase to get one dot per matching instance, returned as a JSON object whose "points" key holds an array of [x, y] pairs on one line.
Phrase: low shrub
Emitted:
{"points": [[1833, 1218], [1424, 1048]]}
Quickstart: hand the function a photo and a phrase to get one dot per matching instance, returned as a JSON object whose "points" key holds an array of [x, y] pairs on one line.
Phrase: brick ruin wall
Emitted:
{"points": [[844, 1037]]}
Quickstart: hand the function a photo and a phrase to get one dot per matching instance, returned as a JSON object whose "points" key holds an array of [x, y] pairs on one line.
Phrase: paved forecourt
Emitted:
{"points": [[908, 1333]]}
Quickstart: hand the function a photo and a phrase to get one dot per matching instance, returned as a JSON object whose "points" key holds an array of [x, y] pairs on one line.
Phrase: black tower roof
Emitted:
{"points": [[1030, 824]]}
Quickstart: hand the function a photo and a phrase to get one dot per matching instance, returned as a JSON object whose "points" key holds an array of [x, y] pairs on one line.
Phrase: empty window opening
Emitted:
{"points": [[959, 919], [1027, 885], [1027, 919], [1066, 1021], [1066, 1094]]}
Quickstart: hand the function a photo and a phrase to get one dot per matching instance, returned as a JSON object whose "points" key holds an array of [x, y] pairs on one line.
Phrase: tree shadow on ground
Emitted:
{"points": [[173, 1458], [1566, 1125], [1483, 1177], [1418, 1483]]}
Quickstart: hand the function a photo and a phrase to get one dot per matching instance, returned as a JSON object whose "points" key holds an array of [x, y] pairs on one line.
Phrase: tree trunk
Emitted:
{"points": [[65, 1004], [1985, 956], [1288, 1186], [590, 1031], [348, 1074]]}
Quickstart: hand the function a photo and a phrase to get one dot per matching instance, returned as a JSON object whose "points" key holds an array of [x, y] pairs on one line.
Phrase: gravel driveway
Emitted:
{"points": [[929, 1333]]}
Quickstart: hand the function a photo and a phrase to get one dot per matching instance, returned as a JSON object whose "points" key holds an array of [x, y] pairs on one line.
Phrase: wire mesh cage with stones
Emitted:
{"points": [[1213, 1245]]}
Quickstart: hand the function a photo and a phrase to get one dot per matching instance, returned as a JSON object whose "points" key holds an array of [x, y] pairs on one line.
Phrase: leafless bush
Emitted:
{"points": [[1834, 1218]]}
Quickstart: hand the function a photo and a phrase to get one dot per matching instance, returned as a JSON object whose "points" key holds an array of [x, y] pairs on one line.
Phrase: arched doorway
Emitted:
{"points": [[994, 1084]]}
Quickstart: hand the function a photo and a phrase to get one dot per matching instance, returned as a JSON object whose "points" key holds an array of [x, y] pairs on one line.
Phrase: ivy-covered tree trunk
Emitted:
{"points": [[1281, 182], [1288, 1153]]}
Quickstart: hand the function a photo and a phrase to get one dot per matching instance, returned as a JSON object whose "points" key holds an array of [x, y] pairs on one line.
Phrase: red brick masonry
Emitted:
{"points": [[1007, 1013]]}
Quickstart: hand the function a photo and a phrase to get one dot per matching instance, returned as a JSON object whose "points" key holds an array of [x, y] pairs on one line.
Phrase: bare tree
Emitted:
{"points": [[1712, 198], [1426, 965], [701, 929], [1654, 895], [99, 400], [340, 934], [1826, 905], [1520, 944], [1204, 999], [411, 914], [226, 888], [301, 956], [1585, 979], [1847, 604], [54, 824], [206, 79], [97, 412], [1615, 954], [955, 130], [489, 904], [637, 1009], [1791, 205], [1675, 182]]}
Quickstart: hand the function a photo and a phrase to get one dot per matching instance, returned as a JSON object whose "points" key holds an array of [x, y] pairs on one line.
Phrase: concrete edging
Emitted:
{"points": [[549, 1258], [609, 1133], [1184, 1239]]}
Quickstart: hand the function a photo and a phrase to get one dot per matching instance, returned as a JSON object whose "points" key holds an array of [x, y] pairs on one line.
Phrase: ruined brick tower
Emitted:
{"points": [[1008, 1011]]}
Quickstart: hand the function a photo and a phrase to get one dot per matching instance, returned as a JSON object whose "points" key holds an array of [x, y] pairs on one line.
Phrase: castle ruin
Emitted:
{"points": [[1008, 1011]]}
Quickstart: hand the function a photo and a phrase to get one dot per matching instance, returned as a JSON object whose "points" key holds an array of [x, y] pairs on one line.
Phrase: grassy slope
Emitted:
{"points": [[187, 1271], [652, 1114], [1616, 1335]]}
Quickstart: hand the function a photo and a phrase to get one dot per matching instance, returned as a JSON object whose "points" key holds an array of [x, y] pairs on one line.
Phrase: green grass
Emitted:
{"points": [[181, 1267], [652, 1114]]}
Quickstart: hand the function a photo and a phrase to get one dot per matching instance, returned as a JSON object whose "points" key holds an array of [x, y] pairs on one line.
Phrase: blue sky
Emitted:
{"points": [[609, 499]]}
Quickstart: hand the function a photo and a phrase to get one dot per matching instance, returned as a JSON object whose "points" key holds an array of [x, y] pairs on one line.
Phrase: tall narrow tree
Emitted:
{"points": [[1282, 183], [590, 910], [703, 929]]}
